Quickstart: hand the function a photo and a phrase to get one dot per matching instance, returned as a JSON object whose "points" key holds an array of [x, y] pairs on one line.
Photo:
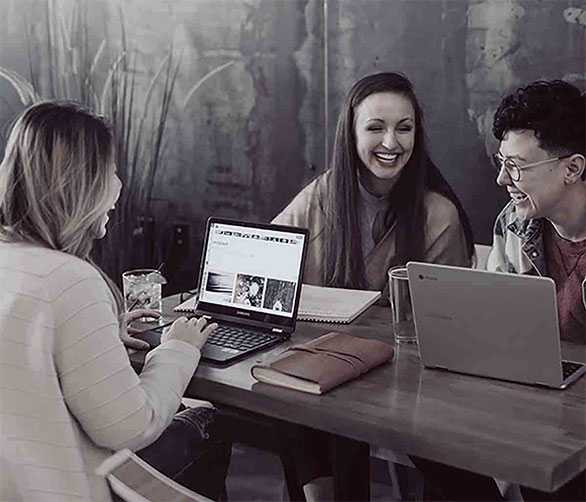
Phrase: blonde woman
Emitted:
{"points": [[68, 394]]}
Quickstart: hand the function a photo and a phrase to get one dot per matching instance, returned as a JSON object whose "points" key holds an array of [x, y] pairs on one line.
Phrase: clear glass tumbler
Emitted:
{"points": [[142, 289], [402, 312]]}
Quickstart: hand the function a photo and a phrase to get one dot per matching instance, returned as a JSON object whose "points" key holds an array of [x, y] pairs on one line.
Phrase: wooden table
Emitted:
{"points": [[523, 434]]}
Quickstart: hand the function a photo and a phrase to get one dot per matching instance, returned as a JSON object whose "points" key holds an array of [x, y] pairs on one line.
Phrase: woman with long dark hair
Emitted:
{"points": [[383, 201]]}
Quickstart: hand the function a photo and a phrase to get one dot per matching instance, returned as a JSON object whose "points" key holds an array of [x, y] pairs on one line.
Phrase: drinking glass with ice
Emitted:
{"points": [[142, 289]]}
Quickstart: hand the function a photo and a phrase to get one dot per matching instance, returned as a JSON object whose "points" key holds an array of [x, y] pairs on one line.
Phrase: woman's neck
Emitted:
{"points": [[376, 186]]}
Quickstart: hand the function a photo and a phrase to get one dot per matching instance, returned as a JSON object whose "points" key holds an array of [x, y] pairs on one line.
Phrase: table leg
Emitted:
{"points": [[350, 465]]}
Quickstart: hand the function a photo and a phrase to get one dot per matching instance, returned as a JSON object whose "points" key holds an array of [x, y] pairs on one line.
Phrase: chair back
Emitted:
{"points": [[481, 251]]}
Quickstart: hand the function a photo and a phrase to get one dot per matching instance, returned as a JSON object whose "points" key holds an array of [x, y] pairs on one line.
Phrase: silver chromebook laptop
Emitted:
{"points": [[489, 324]]}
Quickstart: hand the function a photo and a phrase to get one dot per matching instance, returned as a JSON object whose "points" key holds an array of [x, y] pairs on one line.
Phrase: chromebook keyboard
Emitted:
{"points": [[569, 367]]}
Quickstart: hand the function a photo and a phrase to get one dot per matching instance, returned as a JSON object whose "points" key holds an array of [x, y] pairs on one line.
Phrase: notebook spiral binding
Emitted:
{"points": [[193, 298], [310, 318]]}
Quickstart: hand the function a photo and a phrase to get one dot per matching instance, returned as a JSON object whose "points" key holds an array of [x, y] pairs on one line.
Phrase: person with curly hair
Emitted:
{"points": [[541, 162]]}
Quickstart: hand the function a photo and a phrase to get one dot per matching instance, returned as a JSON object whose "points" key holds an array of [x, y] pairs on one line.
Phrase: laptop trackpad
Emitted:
{"points": [[218, 354]]}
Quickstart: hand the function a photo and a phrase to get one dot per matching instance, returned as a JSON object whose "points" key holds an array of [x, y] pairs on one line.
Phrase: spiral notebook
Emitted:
{"points": [[188, 306], [320, 304], [334, 305]]}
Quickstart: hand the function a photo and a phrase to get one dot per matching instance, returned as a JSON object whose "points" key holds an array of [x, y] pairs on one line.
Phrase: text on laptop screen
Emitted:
{"points": [[252, 268]]}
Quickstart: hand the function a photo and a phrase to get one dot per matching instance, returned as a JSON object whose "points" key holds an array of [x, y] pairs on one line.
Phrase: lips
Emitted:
{"points": [[517, 197], [386, 157]]}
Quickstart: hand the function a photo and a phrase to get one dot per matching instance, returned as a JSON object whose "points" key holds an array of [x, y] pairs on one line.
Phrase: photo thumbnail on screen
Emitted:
{"points": [[249, 290], [279, 295], [219, 286]]}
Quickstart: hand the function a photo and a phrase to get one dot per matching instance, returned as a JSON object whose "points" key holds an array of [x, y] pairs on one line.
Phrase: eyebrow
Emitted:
{"points": [[518, 157], [375, 119]]}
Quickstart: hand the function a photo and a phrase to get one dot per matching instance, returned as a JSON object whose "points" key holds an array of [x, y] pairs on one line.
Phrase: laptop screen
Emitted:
{"points": [[252, 270]]}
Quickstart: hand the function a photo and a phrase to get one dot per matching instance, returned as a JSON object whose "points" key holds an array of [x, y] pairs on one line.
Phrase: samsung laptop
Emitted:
{"points": [[250, 284], [489, 324]]}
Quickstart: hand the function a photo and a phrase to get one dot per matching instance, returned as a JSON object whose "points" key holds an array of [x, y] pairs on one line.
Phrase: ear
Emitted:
{"points": [[575, 167]]}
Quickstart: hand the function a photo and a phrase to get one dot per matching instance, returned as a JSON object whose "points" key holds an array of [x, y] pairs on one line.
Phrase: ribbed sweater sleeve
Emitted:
{"points": [[114, 406]]}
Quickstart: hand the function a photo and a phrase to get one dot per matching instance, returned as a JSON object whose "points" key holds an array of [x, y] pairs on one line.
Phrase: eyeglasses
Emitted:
{"points": [[513, 170]]}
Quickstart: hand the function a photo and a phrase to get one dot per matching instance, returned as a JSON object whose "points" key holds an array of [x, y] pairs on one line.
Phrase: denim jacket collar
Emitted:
{"points": [[530, 232], [528, 257]]}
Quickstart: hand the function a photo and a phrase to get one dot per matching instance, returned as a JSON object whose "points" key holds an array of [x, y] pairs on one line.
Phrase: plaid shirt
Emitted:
{"points": [[517, 246]]}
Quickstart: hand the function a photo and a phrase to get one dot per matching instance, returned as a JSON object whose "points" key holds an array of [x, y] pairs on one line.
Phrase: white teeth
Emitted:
{"points": [[386, 157], [517, 197]]}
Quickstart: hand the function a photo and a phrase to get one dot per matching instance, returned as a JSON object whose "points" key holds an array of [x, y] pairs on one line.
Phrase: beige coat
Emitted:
{"points": [[444, 236]]}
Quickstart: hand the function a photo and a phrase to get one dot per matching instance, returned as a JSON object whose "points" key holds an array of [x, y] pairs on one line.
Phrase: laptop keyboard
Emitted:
{"points": [[239, 339], [568, 368]]}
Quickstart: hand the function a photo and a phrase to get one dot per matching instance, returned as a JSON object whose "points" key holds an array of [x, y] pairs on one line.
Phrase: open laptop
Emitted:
{"points": [[250, 284], [489, 324]]}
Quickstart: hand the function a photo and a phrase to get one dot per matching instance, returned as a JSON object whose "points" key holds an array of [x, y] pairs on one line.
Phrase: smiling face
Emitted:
{"points": [[541, 190], [384, 128]]}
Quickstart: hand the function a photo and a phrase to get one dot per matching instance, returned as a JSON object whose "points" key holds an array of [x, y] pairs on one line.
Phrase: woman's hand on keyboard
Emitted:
{"points": [[194, 331]]}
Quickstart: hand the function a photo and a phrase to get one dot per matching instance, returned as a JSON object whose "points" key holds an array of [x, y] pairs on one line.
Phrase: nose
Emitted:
{"points": [[503, 178], [389, 140]]}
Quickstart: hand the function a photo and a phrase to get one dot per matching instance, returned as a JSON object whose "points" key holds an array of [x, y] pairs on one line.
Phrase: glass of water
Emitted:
{"points": [[143, 290], [402, 312]]}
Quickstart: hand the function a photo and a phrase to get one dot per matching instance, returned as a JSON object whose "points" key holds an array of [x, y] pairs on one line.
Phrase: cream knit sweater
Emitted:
{"points": [[68, 394]]}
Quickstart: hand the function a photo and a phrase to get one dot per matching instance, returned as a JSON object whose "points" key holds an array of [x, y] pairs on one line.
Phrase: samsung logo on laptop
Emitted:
{"points": [[239, 312]]}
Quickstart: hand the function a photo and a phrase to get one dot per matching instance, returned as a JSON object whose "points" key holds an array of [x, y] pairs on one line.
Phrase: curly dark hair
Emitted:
{"points": [[555, 110]]}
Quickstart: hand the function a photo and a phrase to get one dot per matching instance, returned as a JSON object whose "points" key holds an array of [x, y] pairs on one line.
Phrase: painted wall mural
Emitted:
{"points": [[254, 132]]}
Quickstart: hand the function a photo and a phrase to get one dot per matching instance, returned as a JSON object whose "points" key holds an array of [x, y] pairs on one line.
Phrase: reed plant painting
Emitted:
{"points": [[63, 63]]}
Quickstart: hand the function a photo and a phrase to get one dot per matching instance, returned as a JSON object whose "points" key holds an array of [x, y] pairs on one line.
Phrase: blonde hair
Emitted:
{"points": [[55, 179]]}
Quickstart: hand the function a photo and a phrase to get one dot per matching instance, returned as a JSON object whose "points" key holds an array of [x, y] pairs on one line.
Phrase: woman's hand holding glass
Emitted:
{"points": [[194, 331], [127, 330]]}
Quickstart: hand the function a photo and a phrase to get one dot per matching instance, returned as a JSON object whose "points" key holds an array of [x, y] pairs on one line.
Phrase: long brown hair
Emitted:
{"points": [[55, 179], [344, 261]]}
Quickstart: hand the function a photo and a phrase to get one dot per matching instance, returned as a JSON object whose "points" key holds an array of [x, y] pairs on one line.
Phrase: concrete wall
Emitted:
{"points": [[255, 133]]}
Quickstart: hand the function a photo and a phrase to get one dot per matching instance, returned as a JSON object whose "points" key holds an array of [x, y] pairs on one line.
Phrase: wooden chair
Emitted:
{"points": [[131, 479]]}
